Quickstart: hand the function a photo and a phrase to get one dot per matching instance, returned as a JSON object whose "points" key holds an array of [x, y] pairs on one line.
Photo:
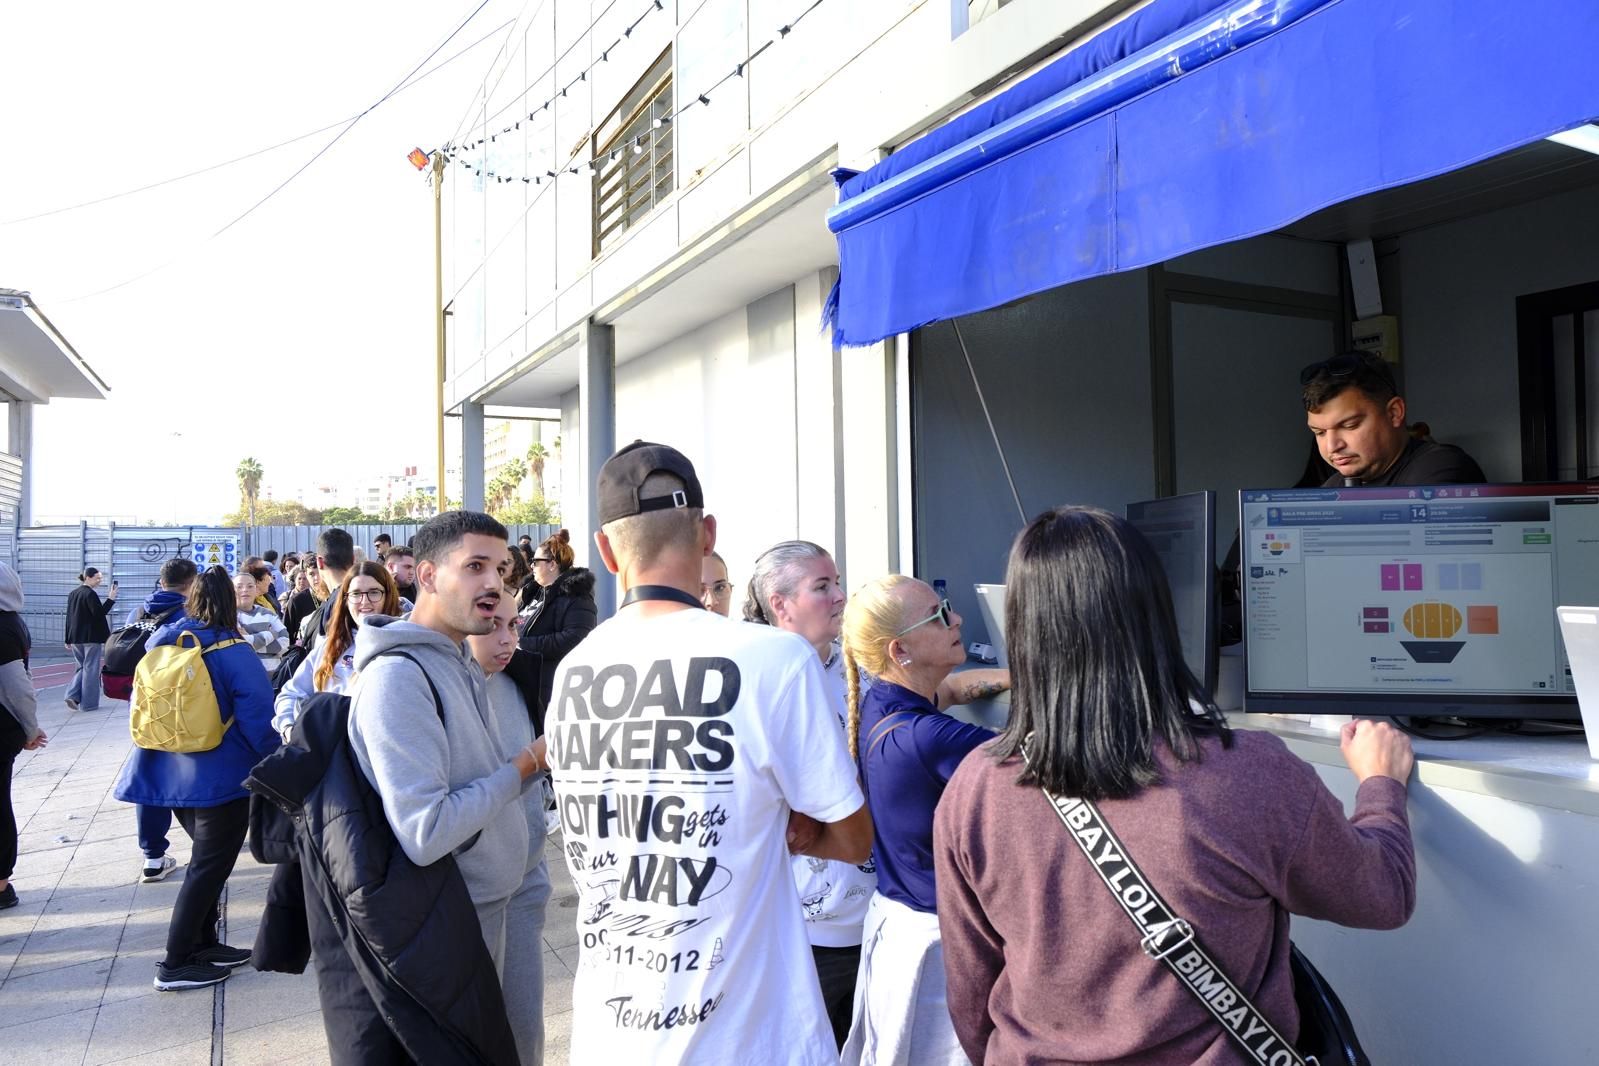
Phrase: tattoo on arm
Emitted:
{"points": [[981, 690]]}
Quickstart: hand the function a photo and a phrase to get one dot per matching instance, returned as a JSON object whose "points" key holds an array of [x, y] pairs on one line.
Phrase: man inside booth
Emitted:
{"points": [[1355, 413]]}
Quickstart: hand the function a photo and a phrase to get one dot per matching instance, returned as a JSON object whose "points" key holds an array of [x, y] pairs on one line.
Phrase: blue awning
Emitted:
{"points": [[1191, 124]]}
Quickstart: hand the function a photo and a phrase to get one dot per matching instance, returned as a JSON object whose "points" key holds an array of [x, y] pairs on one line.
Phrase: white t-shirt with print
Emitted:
{"points": [[679, 744], [833, 895]]}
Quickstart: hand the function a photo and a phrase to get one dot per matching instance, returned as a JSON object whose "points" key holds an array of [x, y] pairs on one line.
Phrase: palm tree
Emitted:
{"points": [[249, 474], [535, 466]]}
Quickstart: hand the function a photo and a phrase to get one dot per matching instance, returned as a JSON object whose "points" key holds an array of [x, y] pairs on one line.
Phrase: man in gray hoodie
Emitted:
{"points": [[445, 787]]}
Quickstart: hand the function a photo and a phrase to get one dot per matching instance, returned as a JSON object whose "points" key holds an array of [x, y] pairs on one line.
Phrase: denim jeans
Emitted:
{"points": [[85, 689]]}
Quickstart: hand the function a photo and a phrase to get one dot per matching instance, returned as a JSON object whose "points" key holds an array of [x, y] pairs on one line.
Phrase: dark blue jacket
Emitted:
{"points": [[208, 778], [157, 604]]}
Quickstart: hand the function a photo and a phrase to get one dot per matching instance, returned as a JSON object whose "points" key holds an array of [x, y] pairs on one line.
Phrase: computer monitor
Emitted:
{"points": [[1182, 530], [1425, 602], [991, 601]]}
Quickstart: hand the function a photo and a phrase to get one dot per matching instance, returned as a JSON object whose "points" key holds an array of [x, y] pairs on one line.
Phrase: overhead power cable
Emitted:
{"points": [[340, 135], [301, 169], [248, 155]]}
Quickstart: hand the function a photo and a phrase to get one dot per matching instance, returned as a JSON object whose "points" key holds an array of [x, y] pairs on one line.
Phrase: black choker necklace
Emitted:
{"points": [[641, 593]]}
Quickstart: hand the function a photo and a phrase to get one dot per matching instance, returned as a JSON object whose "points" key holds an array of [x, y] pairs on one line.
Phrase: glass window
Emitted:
{"points": [[633, 155]]}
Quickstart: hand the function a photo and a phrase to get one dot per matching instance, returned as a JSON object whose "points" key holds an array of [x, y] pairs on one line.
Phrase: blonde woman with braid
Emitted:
{"points": [[908, 641]]}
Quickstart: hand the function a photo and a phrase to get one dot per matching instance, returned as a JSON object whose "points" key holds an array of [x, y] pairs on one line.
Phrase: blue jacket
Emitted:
{"points": [[159, 603], [208, 778]]}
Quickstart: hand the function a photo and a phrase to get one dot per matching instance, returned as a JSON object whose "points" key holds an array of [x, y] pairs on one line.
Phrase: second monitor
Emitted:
{"points": [[1182, 530]]}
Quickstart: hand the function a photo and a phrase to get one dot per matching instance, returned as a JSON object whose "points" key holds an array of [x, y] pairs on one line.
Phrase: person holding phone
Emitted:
{"points": [[86, 633]]}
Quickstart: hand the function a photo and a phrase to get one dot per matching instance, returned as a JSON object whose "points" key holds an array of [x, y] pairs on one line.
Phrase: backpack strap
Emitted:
{"points": [[438, 704]]}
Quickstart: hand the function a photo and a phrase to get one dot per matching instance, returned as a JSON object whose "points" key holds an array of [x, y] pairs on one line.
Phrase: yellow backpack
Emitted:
{"points": [[174, 707]]}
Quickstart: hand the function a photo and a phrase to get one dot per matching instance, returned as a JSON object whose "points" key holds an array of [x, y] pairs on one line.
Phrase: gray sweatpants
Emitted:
{"points": [[522, 976]]}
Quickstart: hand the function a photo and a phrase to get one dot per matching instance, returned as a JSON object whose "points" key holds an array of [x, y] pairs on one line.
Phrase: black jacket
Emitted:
{"points": [[86, 617], [411, 932], [564, 616]]}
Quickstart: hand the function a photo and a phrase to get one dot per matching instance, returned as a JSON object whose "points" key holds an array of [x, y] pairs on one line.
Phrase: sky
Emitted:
{"points": [[303, 336]]}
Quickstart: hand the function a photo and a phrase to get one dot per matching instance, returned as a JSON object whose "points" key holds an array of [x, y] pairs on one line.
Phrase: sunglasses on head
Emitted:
{"points": [[943, 613], [1344, 366]]}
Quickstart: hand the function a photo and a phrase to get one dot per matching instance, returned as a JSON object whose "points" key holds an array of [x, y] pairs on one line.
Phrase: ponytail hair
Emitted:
{"points": [[872, 619], [776, 573]]}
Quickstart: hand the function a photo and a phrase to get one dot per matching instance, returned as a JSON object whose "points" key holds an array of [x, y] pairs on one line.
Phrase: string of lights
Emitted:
{"points": [[637, 145]]}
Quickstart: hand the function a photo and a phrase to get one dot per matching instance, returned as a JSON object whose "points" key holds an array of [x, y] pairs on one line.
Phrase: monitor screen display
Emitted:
{"points": [[1182, 530], [1425, 601]]}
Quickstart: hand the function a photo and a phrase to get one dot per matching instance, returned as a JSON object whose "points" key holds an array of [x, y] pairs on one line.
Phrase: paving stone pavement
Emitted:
{"points": [[78, 954]]}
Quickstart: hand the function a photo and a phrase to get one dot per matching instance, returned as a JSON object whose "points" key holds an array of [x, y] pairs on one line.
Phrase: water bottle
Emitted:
{"points": [[941, 588]]}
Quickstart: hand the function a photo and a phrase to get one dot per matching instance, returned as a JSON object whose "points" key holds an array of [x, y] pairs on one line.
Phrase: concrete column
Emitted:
{"points": [[871, 491], [19, 442], [596, 403], [819, 419], [471, 456]]}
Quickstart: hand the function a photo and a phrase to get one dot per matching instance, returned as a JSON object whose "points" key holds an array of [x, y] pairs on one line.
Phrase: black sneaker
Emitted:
{"points": [[189, 975], [222, 955], [8, 897]]}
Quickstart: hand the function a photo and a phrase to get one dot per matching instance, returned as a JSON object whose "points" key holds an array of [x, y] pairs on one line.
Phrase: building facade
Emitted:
{"points": [[675, 290]]}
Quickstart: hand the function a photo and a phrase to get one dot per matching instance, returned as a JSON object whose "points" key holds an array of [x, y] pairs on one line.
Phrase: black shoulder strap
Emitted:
{"points": [[438, 704], [1166, 937]]}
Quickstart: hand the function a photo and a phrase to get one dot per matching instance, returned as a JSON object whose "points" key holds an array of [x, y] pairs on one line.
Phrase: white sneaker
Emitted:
{"points": [[157, 870]]}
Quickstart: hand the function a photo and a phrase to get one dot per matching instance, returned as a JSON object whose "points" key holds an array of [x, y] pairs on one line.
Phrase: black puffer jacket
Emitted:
{"points": [[563, 617], [411, 932]]}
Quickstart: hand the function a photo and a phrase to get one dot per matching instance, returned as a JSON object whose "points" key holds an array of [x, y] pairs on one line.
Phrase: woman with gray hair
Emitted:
{"points": [[795, 587]]}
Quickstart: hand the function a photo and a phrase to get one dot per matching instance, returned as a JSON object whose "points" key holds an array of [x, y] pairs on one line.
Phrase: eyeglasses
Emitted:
{"points": [[369, 595], [943, 613], [1344, 366], [537, 559], [720, 589]]}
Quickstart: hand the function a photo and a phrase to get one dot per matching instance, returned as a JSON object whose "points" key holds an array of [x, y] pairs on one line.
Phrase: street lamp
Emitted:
{"points": [[420, 160]]}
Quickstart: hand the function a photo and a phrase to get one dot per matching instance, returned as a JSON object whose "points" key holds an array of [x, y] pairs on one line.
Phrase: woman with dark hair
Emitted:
{"points": [[86, 633], [330, 665], [19, 722], [561, 615], [1230, 827], [519, 577], [908, 640], [258, 570], [205, 788]]}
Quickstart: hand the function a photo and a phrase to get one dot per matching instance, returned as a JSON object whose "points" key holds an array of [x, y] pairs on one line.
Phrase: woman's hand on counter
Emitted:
{"points": [[1376, 749]]}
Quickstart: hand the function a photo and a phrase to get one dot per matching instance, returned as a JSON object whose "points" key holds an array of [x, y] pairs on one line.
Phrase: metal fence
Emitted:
{"points": [[48, 559], [302, 539]]}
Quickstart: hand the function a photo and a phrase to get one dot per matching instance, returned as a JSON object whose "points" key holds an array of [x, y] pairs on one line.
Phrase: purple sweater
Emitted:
{"points": [[1044, 966]]}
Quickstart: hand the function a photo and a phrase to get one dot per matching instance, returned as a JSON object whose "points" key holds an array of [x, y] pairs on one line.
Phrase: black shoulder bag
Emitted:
{"points": [[1326, 1035]]}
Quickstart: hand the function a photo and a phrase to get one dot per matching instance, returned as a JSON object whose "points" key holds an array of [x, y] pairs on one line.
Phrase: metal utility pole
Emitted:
{"points": [[438, 312]]}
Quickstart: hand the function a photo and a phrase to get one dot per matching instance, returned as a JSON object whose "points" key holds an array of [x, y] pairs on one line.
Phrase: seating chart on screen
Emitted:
{"points": [[1438, 590]]}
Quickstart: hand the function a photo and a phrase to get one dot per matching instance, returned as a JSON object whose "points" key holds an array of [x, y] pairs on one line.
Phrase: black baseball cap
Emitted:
{"points": [[624, 474]]}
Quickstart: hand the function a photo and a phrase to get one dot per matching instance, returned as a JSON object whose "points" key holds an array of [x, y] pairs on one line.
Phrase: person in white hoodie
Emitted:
{"points": [[19, 720], [366, 592], [438, 765]]}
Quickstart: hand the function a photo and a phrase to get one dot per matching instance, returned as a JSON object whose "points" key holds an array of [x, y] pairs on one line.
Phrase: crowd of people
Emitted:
{"points": [[784, 846]]}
